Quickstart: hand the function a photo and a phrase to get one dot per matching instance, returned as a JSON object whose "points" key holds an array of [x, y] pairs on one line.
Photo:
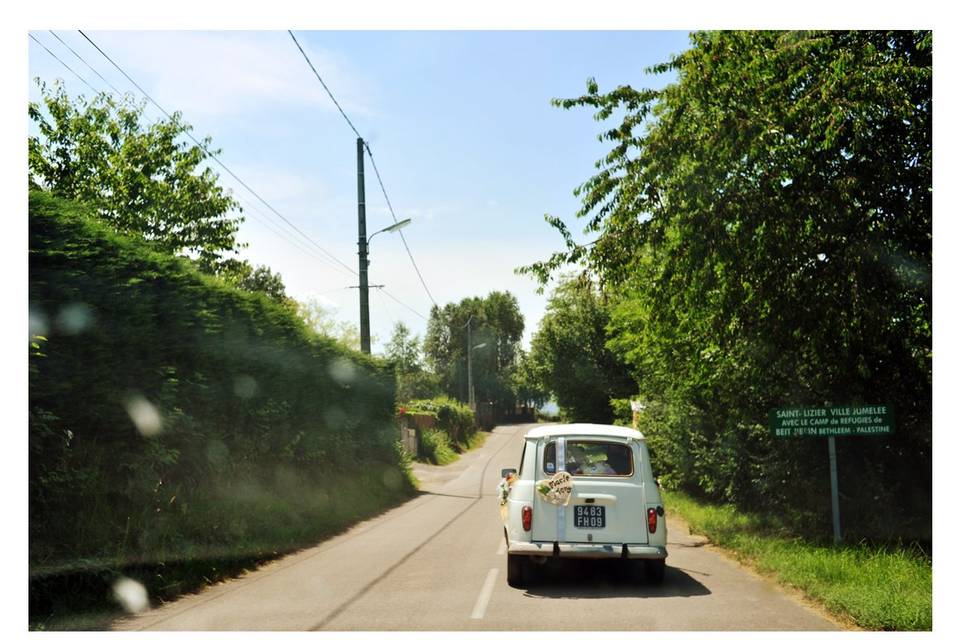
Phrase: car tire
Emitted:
{"points": [[655, 570], [517, 571]]}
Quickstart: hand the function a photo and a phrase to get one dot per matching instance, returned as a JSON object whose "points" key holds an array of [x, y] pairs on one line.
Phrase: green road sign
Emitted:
{"points": [[800, 422]]}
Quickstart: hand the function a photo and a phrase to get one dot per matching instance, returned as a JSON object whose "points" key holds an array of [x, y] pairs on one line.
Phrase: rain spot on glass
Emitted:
{"points": [[392, 479], [75, 318], [334, 418], [38, 323], [287, 480], [217, 453], [131, 595], [343, 371], [144, 415], [244, 387], [320, 499]]}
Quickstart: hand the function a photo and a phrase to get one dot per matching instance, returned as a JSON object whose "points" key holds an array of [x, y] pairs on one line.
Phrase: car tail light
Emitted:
{"points": [[652, 520], [526, 514]]}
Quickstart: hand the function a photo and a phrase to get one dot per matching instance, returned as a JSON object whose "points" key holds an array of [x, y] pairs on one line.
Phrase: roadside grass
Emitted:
{"points": [[475, 440], [237, 526], [878, 588], [437, 448]]}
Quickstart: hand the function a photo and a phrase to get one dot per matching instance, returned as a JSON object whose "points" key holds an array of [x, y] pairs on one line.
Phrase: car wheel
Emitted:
{"points": [[518, 571], [655, 570]]}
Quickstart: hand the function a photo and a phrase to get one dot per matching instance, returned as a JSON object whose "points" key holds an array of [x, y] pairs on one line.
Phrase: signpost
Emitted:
{"points": [[812, 422]]}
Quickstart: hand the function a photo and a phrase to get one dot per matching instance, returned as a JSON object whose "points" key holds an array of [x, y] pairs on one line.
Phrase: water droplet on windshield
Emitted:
{"points": [[75, 318], [131, 595], [343, 371], [392, 479], [244, 387], [144, 415], [38, 323]]}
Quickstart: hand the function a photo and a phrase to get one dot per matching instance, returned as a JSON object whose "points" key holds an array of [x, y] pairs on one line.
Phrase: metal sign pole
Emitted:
{"points": [[834, 491]]}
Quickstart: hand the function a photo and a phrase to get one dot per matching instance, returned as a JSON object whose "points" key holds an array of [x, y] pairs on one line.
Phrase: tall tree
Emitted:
{"points": [[497, 325], [324, 321], [142, 179], [403, 350], [568, 353], [766, 220], [404, 353]]}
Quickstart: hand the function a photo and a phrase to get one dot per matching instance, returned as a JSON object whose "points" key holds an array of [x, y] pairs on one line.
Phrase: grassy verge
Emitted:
{"points": [[232, 533], [437, 448], [877, 588], [474, 441]]}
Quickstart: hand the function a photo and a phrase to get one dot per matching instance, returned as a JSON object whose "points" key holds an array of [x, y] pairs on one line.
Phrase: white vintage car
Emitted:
{"points": [[583, 491]]}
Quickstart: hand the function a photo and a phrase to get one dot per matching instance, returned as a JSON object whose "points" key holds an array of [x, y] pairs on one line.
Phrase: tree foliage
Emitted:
{"points": [[142, 179], [246, 277], [568, 354], [498, 325], [324, 322], [403, 350], [527, 385], [404, 353], [765, 225]]}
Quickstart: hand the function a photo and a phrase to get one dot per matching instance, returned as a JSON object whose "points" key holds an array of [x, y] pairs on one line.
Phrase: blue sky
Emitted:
{"points": [[460, 124]]}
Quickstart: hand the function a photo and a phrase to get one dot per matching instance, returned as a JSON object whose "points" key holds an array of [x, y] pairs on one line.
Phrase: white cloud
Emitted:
{"points": [[223, 73]]}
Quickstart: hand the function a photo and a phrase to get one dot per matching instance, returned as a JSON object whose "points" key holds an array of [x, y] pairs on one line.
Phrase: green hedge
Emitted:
{"points": [[453, 418], [269, 435]]}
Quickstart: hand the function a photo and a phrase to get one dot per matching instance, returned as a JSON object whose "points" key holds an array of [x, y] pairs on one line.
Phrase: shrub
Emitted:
{"points": [[453, 418], [435, 447], [171, 413]]}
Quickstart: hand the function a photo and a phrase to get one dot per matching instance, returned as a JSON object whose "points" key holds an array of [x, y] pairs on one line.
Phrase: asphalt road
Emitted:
{"points": [[437, 563]]}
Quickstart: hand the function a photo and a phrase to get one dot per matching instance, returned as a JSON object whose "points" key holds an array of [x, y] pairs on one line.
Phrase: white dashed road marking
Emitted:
{"points": [[484, 599]]}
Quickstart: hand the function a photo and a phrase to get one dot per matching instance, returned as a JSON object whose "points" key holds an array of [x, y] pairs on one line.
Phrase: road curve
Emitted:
{"points": [[437, 563]]}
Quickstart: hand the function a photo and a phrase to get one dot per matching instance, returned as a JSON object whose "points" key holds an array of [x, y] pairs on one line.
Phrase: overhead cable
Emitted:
{"points": [[400, 231], [372, 162], [216, 159], [55, 57]]}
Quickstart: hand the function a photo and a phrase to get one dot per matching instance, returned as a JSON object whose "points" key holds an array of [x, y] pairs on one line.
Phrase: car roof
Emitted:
{"points": [[582, 429]]}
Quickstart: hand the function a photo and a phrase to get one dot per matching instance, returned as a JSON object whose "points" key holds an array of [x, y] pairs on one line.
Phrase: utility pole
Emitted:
{"points": [[362, 244], [470, 368]]}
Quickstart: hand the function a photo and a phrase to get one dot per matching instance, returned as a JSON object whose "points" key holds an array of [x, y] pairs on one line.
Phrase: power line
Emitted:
{"points": [[329, 93], [283, 233], [265, 220], [372, 161], [80, 58], [55, 57], [215, 158], [402, 303], [384, 307], [400, 231]]}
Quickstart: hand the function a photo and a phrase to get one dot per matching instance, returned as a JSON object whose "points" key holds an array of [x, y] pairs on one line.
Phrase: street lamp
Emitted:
{"points": [[364, 287], [472, 400], [394, 227]]}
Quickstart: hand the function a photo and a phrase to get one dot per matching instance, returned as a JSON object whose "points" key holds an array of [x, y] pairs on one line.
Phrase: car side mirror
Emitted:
{"points": [[507, 472]]}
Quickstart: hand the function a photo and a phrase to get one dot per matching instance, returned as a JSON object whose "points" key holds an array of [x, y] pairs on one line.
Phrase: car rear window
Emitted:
{"points": [[591, 458]]}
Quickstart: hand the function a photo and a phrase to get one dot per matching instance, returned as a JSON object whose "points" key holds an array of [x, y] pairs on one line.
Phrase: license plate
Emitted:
{"points": [[589, 516]]}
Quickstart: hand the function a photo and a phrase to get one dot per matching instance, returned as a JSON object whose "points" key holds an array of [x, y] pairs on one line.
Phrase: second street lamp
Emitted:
{"points": [[472, 394]]}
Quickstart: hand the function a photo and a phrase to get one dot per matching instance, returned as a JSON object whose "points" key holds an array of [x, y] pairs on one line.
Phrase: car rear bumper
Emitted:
{"points": [[586, 550]]}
